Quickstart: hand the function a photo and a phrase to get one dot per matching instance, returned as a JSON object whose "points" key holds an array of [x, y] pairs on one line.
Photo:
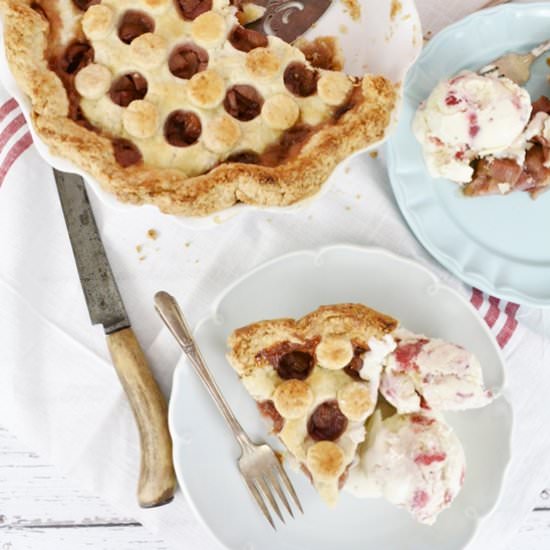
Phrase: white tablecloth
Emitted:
{"points": [[59, 392]]}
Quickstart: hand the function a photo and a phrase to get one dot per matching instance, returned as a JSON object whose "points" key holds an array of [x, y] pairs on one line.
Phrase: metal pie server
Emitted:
{"points": [[157, 480], [288, 19]]}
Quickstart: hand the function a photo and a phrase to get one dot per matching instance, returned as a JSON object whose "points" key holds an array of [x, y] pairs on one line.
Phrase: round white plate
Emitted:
{"points": [[205, 453], [498, 244], [377, 43]]}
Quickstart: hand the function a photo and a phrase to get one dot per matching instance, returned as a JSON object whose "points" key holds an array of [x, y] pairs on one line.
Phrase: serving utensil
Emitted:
{"points": [[289, 19], [258, 464], [157, 480]]}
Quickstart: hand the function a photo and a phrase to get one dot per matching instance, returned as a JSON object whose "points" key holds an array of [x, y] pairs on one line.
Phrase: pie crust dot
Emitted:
{"points": [[206, 89], [334, 352], [93, 81], [325, 460], [280, 112], [97, 22], [262, 63], [355, 401], [148, 50], [333, 88], [293, 398], [141, 119], [221, 134], [208, 29]]}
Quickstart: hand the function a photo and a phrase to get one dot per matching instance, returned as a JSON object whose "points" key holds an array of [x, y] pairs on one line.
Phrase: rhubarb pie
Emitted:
{"points": [[316, 380], [176, 103]]}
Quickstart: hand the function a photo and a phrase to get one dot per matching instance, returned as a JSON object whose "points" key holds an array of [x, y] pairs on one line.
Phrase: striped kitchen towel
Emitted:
{"points": [[15, 137]]}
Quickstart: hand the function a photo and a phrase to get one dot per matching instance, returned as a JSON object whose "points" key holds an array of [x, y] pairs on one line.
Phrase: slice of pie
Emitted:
{"points": [[176, 104], [316, 380]]}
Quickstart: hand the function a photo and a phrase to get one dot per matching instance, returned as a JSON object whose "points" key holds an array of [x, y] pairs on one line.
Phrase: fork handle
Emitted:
{"points": [[169, 311], [540, 49]]}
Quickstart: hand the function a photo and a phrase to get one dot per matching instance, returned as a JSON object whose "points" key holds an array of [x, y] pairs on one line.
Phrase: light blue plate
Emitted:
{"points": [[498, 244]]}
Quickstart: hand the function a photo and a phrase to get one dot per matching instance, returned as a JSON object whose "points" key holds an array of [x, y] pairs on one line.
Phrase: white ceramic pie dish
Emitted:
{"points": [[377, 43], [205, 454]]}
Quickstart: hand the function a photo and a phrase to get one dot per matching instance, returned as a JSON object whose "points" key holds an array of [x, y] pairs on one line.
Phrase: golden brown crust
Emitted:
{"points": [[26, 35], [25, 40], [357, 322]]}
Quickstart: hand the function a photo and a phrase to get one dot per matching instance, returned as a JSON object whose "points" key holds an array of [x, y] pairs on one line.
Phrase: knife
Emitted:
{"points": [[288, 19], [157, 480]]}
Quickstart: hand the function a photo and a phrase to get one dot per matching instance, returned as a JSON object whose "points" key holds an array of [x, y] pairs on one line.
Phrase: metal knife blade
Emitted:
{"points": [[289, 19], [98, 283]]}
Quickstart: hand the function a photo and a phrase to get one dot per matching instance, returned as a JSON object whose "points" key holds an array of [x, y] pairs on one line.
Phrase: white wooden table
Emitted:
{"points": [[42, 510]]}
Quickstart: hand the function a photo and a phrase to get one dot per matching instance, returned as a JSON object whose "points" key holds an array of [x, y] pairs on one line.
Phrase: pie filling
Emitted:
{"points": [[325, 422], [506, 174], [180, 83]]}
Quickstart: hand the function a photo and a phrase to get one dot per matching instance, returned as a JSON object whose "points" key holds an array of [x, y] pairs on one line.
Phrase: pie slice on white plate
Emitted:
{"points": [[316, 379]]}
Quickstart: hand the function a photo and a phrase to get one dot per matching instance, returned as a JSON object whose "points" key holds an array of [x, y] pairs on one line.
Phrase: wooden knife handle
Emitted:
{"points": [[157, 481]]}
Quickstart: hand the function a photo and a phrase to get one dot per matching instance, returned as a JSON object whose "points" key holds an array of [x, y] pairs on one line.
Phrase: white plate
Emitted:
{"points": [[498, 244], [391, 48], [205, 453]]}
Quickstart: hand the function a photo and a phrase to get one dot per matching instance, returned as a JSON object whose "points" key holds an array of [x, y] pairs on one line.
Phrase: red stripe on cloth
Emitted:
{"points": [[510, 326], [18, 148], [7, 108], [511, 308], [494, 312], [17, 123], [477, 298]]}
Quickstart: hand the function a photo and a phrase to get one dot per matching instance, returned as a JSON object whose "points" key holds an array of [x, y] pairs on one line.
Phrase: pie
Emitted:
{"points": [[175, 103], [494, 176], [316, 380]]}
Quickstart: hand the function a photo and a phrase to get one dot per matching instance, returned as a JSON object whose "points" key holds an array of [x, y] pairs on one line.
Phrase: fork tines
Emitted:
{"points": [[263, 474]]}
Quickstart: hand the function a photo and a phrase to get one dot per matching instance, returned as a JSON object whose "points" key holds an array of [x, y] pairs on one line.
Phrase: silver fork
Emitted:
{"points": [[258, 464], [515, 66]]}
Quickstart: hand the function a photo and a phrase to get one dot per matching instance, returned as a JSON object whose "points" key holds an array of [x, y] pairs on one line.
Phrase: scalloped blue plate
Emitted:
{"points": [[498, 244]]}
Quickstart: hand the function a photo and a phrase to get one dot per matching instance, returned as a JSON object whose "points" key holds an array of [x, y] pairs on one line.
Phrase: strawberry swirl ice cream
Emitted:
{"points": [[415, 461], [426, 373], [469, 117]]}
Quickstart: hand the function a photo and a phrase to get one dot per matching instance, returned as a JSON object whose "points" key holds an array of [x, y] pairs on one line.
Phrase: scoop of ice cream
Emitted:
{"points": [[414, 461], [426, 373], [467, 117]]}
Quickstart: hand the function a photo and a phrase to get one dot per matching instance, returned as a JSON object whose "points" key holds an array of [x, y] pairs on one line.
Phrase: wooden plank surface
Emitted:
{"points": [[42, 510]]}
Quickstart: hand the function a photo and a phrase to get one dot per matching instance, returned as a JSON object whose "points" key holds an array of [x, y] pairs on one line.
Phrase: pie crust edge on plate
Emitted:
{"points": [[26, 37]]}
